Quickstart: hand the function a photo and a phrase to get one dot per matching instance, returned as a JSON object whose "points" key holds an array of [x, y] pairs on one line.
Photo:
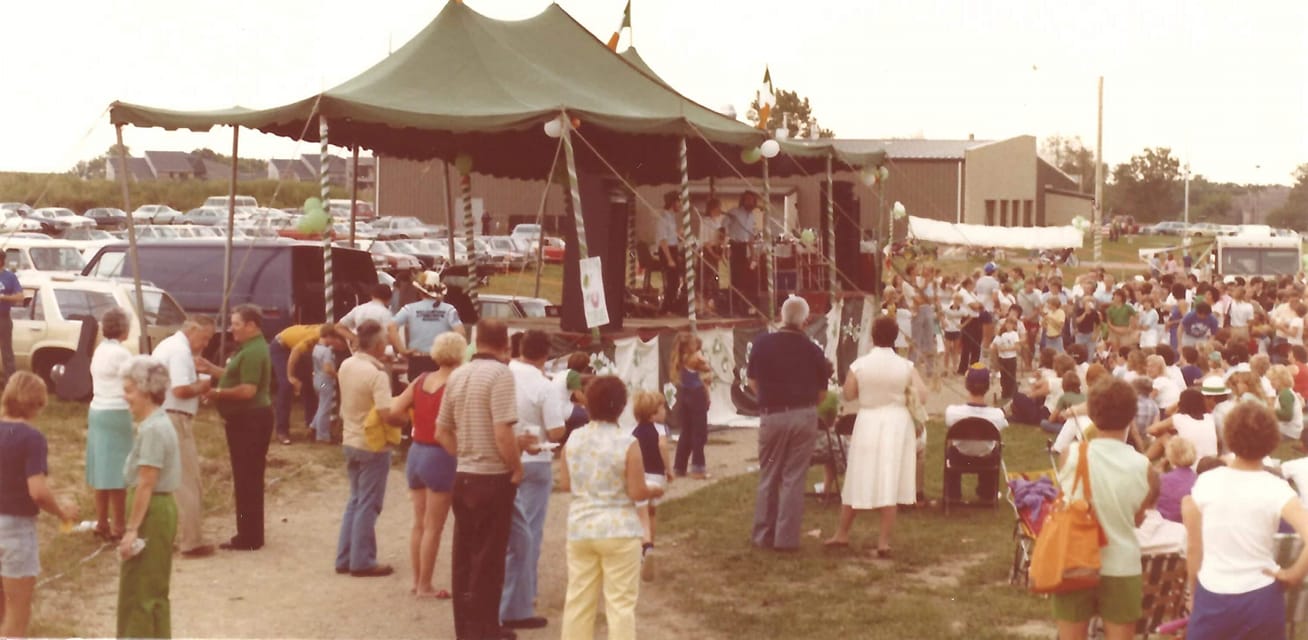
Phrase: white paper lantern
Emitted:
{"points": [[770, 148], [554, 128]]}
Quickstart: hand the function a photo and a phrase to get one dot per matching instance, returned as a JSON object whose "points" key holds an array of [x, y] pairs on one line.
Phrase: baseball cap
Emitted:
{"points": [[977, 375]]}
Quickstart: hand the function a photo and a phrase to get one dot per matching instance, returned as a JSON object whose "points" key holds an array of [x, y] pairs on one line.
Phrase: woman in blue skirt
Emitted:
{"points": [[109, 426]]}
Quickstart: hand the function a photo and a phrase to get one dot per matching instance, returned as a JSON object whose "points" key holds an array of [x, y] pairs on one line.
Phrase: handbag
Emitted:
{"points": [[916, 409], [1066, 553]]}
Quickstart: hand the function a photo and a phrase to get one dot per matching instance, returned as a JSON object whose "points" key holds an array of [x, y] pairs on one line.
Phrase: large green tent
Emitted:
{"points": [[471, 84]]}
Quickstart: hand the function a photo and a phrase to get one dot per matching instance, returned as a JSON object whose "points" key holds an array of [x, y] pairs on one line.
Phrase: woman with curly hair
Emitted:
{"points": [[1231, 518]]}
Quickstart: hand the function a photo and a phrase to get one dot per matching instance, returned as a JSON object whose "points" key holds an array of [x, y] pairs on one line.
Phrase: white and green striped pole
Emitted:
{"points": [[632, 257], [469, 234], [831, 234], [574, 193], [324, 188], [771, 262], [687, 239]]}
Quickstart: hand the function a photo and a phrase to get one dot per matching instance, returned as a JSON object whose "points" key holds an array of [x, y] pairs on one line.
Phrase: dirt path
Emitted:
{"points": [[289, 589]]}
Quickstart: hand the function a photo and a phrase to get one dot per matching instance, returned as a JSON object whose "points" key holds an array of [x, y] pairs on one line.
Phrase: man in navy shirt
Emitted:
{"points": [[788, 373], [1198, 325], [11, 293]]}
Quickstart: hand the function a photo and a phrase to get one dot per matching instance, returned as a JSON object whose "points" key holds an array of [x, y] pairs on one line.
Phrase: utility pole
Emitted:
{"points": [[1099, 181]]}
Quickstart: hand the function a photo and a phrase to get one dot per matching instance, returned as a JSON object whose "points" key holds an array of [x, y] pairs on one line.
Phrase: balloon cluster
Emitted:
{"points": [[870, 176], [1081, 224], [554, 128], [315, 219], [769, 149]]}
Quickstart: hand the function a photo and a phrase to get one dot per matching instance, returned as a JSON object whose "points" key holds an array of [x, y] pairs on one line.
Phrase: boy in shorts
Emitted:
{"points": [[1121, 484], [652, 436]]}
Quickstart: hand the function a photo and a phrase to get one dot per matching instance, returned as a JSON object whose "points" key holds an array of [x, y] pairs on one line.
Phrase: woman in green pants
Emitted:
{"points": [[153, 471]]}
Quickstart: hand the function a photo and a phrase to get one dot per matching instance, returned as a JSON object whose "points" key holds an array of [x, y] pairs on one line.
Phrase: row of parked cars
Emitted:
{"points": [[1208, 229]]}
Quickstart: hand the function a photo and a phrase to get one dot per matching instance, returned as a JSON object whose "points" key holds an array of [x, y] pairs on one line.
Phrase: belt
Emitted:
{"points": [[784, 408], [180, 413]]}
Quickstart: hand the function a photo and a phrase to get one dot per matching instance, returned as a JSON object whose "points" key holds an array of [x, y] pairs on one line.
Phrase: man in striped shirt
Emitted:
{"points": [[476, 421]]}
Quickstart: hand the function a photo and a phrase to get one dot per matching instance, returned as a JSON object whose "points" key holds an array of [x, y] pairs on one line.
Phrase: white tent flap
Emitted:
{"points": [[977, 235]]}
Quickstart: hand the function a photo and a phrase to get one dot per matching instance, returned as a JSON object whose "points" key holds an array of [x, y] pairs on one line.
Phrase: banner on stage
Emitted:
{"points": [[592, 293]]}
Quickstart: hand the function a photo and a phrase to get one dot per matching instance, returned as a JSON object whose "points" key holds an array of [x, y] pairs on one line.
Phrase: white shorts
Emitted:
{"points": [[653, 480]]}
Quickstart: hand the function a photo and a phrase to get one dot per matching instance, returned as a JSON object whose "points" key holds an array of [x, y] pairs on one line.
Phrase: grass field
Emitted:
{"points": [[948, 579]]}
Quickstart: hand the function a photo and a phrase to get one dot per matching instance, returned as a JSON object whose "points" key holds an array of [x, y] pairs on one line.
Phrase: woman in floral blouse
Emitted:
{"points": [[604, 471]]}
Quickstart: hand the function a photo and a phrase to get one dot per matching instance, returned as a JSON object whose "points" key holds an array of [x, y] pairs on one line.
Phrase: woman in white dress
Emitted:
{"points": [[882, 452]]}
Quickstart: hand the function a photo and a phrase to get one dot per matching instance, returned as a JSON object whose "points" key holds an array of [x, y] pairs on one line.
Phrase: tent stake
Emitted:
{"points": [[143, 339]]}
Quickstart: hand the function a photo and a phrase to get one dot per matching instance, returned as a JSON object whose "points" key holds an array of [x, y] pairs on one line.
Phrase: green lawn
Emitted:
{"points": [[523, 283], [949, 577]]}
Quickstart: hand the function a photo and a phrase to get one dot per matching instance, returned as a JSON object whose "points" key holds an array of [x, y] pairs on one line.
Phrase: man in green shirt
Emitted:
{"points": [[243, 399]]}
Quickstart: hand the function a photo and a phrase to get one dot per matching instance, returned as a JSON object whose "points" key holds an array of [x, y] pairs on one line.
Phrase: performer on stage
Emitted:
{"points": [[739, 224], [712, 243], [674, 262]]}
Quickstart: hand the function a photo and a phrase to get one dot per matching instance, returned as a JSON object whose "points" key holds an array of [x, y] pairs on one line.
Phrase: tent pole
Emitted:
{"points": [[770, 264], [540, 223], [687, 240], [227, 249], [449, 209], [832, 285], [470, 235], [354, 192], [574, 191], [633, 258], [324, 188], [131, 242]]}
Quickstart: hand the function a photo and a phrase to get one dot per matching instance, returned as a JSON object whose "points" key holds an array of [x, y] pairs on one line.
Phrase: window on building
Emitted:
{"points": [[1028, 213], [1003, 213], [990, 212]]}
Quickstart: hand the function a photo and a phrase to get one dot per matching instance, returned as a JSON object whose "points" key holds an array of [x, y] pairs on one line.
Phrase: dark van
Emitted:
{"points": [[283, 278]]}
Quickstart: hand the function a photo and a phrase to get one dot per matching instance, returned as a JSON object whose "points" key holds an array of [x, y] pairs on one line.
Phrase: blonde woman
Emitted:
{"points": [[1287, 404]]}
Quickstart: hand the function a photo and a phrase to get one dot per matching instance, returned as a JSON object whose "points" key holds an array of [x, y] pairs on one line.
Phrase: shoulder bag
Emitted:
{"points": [[1066, 553]]}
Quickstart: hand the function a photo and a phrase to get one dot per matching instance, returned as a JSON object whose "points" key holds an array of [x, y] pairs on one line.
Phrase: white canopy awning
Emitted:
{"points": [[979, 235]]}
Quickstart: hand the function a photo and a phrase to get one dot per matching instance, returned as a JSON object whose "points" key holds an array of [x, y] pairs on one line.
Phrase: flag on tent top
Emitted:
{"points": [[626, 24], [766, 99]]}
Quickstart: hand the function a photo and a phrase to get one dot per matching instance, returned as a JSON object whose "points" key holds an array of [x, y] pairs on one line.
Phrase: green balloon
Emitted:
{"points": [[750, 155], [312, 204]]}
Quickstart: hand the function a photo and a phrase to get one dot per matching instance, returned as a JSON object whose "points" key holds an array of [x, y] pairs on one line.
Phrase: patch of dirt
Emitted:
{"points": [[947, 574], [1033, 629]]}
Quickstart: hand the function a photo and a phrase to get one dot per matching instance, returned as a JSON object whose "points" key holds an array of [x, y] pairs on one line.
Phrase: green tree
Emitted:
{"points": [[791, 111], [1148, 186], [94, 169], [1072, 157], [1294, 213]]}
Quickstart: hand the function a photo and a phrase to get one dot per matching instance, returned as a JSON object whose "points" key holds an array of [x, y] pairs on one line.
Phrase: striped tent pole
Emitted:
{"points": [[324, 187], [633, 259], [574, 195], [469, 235], [832, 285], [687, 239], [767, 244]]}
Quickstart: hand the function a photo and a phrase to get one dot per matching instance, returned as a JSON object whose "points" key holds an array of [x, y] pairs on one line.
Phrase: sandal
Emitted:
{"points": [[439, 594], [835, 544]]}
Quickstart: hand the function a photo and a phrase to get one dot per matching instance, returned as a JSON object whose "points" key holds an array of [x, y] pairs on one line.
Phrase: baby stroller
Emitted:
{"points": [[1026, 519]]}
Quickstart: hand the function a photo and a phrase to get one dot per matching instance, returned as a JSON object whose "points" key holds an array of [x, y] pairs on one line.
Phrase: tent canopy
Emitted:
{"points": [[979, 235], [471, 84]]}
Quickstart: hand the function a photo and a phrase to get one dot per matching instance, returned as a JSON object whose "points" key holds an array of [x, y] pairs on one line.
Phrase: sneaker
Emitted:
{"points": [[647, 565]]}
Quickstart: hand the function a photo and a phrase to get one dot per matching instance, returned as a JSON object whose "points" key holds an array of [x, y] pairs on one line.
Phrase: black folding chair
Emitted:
{"points": [[958, 463], [836, 455]]}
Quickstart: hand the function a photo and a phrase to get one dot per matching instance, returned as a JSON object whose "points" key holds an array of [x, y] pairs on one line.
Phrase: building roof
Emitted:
{"points": [[137, 168], [169, 162], [912, 148], [294, 166], [335, 164], [211, 169]]}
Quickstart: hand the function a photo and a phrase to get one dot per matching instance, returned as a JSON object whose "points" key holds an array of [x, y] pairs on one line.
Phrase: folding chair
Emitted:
{"points": [[835, 453], [957, 463], [1288, 546], [1164, 576], [1024, 534]]}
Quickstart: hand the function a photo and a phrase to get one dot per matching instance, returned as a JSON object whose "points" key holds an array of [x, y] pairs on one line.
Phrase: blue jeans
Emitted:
{"points": [[526, 533], [1086, 339], [322, 419], [1054, 343], [356, 549]]}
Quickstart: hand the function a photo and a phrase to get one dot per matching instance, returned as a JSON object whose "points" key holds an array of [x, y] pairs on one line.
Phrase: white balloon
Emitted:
{"points": [[899, 210], [868, 176], [554, 128], [770, 148], [883, 172]]}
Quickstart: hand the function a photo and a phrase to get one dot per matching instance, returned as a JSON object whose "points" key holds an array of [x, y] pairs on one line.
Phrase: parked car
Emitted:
{"points": [[42, 254], [154, 214], [339, 208], [220, 202], [528, 232], [285, 278], [18, 208], [60, 219], [388, 257], [503, 248], [362, 230], [502, 306], [553, 250], [107, 217], [13, 218], [48, 324], [1165, 228], [207, 216], [400, 227]]}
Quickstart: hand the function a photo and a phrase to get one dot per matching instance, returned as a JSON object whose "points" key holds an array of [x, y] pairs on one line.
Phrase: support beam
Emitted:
{"points": [[324, 188], [832, 286], [131, 243], [574, 192], [470, 238], [224, 310], [687, 239], [354, 192], [770, 263]]}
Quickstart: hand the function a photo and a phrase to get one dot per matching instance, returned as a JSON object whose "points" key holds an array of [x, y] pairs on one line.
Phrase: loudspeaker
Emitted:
{"points": [[604, 213]]}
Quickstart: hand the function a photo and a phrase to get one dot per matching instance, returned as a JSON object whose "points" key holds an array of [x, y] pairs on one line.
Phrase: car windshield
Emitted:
{"points": [[503, 244], [63, 213], [56, 258], [533, 308]]}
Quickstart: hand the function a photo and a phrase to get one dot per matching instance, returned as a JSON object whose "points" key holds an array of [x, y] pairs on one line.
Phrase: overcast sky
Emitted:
{"points": [[1225, 83]]}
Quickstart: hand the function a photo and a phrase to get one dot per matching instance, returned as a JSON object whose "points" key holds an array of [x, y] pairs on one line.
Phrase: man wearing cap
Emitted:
{"points": [[422, 322], [667, 240], [977, 384], [1218, 402], [739, 225]]}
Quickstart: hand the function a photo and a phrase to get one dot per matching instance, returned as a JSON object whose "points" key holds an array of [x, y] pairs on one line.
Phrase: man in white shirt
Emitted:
{"points": [[540, 416], [185, 387], [739, 225], [1241, 314], [377, 309], [668, 241], [987, 288], [977, 384]]}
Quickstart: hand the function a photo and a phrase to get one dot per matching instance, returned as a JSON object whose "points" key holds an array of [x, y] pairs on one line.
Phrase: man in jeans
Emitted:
{"points": [[244, 400], [788, 373], [476, 420], [540, 413], [365, 388]]}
